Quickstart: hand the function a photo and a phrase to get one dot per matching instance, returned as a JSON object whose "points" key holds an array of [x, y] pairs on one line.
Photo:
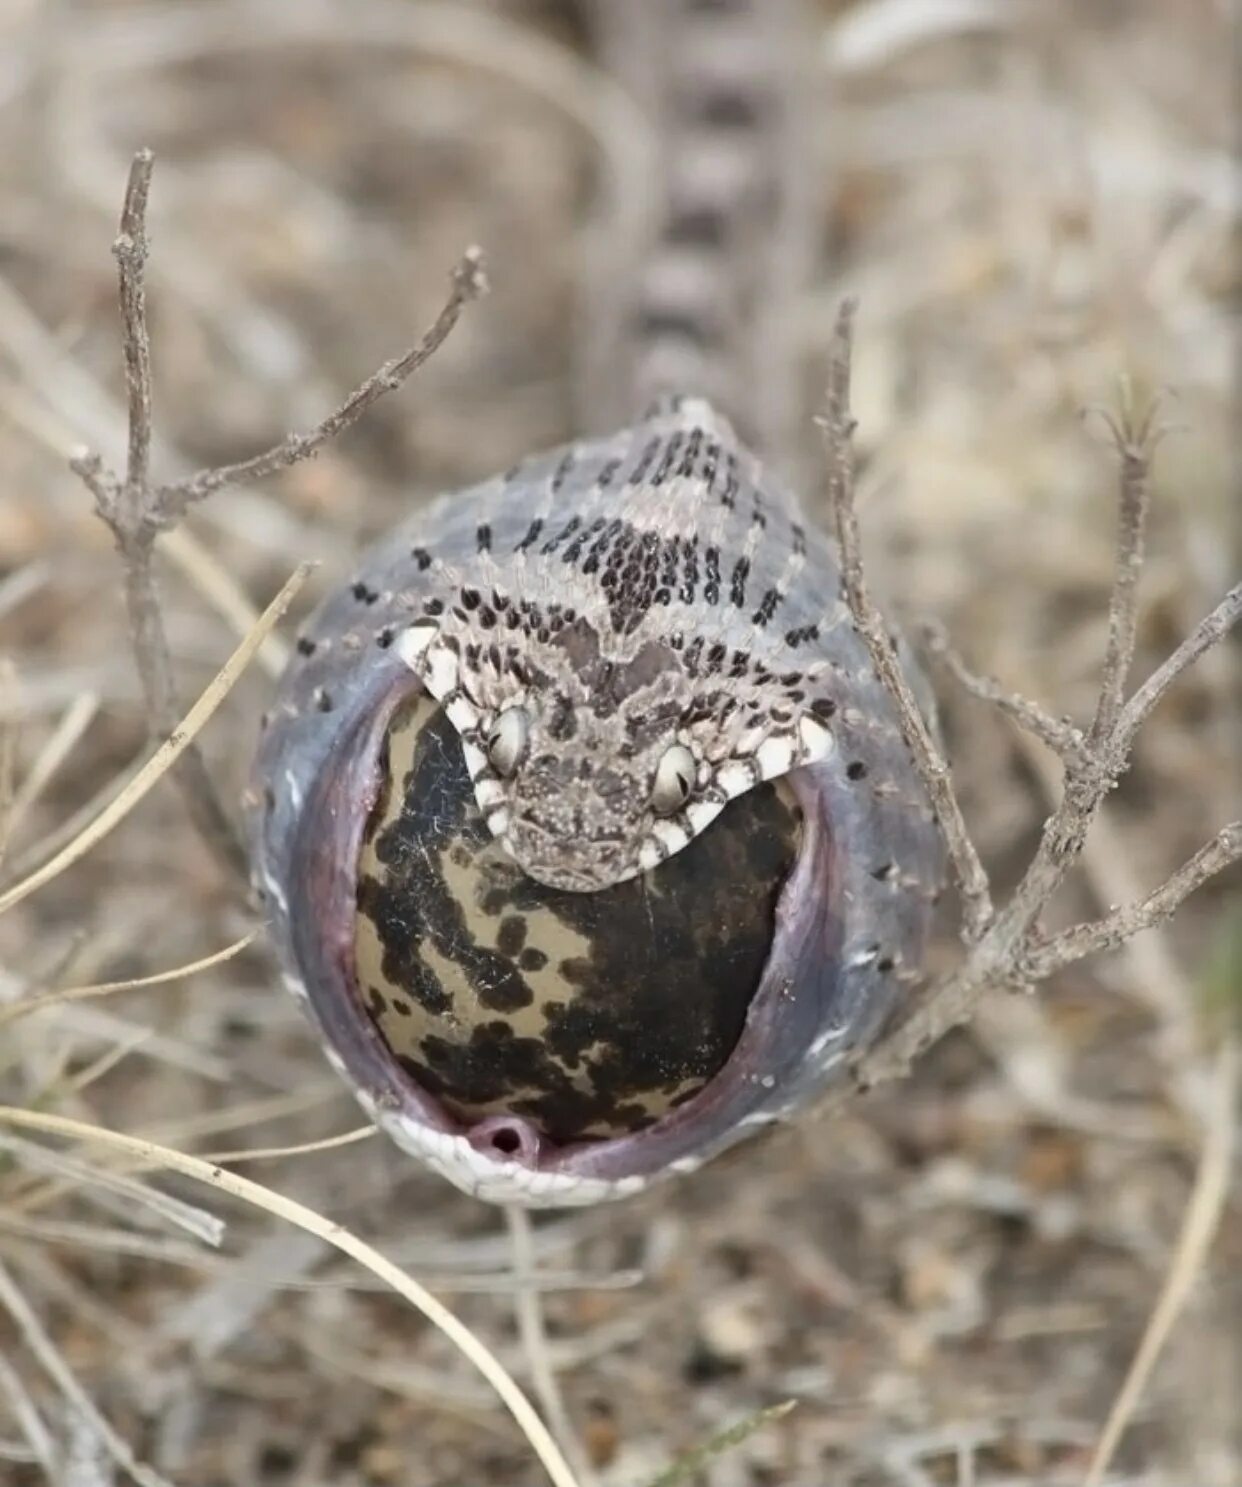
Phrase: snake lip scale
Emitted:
{"points": [[587, 834]]}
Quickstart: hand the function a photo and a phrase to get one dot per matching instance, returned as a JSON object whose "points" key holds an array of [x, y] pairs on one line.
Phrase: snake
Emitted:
{"points": [[586, 833]]}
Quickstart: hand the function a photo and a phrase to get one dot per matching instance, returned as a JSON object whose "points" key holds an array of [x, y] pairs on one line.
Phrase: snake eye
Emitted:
{"points": [[673, 780], [506, 743]]}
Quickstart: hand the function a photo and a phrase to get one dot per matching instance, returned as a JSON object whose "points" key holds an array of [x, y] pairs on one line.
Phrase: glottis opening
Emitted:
{"points": [[584, 1015]]}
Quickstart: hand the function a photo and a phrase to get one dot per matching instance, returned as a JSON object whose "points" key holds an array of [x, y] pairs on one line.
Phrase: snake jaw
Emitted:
{"points": [[562, 1058], [310, 836]]}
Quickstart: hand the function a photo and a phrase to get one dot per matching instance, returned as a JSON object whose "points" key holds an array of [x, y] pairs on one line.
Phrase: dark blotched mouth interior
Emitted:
{"points": [[562, 1030]]}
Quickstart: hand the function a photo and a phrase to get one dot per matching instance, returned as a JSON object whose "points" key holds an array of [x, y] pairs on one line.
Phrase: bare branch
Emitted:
{"points": [[1061, 736], [137, 512], [126, 508], [1211, 629], [469, 282], [130, 251], [1115, 928], [1135, 437], [837, 425], [1005, 946]]}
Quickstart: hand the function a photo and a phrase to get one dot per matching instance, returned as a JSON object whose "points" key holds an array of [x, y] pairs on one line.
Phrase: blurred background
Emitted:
{"points": [[1031, 200]]}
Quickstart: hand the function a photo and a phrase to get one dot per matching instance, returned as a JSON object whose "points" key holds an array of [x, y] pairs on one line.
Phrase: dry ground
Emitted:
{"points": [[951, 1280]]}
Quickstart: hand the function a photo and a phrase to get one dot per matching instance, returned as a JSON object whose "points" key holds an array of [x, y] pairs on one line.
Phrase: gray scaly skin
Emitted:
{"points": [[628, 638]]}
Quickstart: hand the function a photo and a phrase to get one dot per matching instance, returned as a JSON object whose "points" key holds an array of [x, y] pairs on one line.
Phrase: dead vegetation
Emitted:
{"points": [[952, 1277]]}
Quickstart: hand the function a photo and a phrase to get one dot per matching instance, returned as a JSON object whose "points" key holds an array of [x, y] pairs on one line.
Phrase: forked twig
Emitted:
{"points": [[1159, 906], [1004, 945], [1061, 736], [137, 511]]}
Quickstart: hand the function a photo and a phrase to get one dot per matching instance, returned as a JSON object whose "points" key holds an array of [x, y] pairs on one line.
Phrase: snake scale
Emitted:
{"points": [[585, 830]]}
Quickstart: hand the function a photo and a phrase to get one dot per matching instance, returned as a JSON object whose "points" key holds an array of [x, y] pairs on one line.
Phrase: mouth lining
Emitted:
{"points": [[783, 1018]]}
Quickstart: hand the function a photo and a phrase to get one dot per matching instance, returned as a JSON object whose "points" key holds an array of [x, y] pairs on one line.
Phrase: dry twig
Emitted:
{"points": [[838, 428], [137, 511], [1005, 946]]}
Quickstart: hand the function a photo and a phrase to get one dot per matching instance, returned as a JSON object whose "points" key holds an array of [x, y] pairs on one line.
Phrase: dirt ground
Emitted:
{"points": [[950, 1279]]}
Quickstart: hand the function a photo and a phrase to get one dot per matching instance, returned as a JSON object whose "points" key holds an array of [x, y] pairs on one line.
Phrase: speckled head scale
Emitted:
{"points": [[613, 683], [587, 834]]}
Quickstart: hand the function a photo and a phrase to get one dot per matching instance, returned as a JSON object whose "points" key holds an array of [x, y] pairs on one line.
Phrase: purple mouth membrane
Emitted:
{"points": [[548, 1047]]}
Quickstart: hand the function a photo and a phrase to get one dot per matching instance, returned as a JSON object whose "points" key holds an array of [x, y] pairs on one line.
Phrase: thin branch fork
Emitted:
{"points": [[1060, 734], [1004, 945], [1160, 905], [137, 511]]}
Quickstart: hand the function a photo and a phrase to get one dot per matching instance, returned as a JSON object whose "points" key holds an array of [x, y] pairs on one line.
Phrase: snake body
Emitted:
{"points": [[586, 831]]}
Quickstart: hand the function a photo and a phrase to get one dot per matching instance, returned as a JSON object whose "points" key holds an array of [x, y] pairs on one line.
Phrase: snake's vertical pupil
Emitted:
{"points": [[589, 1014]]}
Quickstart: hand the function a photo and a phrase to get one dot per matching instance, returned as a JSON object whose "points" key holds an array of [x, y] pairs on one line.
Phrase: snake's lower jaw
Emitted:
{"points": [[529, 1050]]}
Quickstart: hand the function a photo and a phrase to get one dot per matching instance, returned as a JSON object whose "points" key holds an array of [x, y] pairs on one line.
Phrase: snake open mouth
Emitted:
{"points": [[540, 1045]]}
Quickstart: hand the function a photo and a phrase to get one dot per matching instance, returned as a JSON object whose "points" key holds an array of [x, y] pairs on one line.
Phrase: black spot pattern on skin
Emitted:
{"points": [[767, 607], [801, 635], [439, 919], [532, 535], [511, 936], [711, 590], [638, 1011]]}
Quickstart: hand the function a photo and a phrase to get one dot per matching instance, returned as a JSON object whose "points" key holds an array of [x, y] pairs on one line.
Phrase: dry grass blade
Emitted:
{"points": [[303, 1148], [26, 1416], [136, 983], [222, 592], [166, 755], [76, 720], [684, 1470], [1203, 1212], [54, 1364], [8, 751], [138, 1201], [528, 1306], [347, 1242]]}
